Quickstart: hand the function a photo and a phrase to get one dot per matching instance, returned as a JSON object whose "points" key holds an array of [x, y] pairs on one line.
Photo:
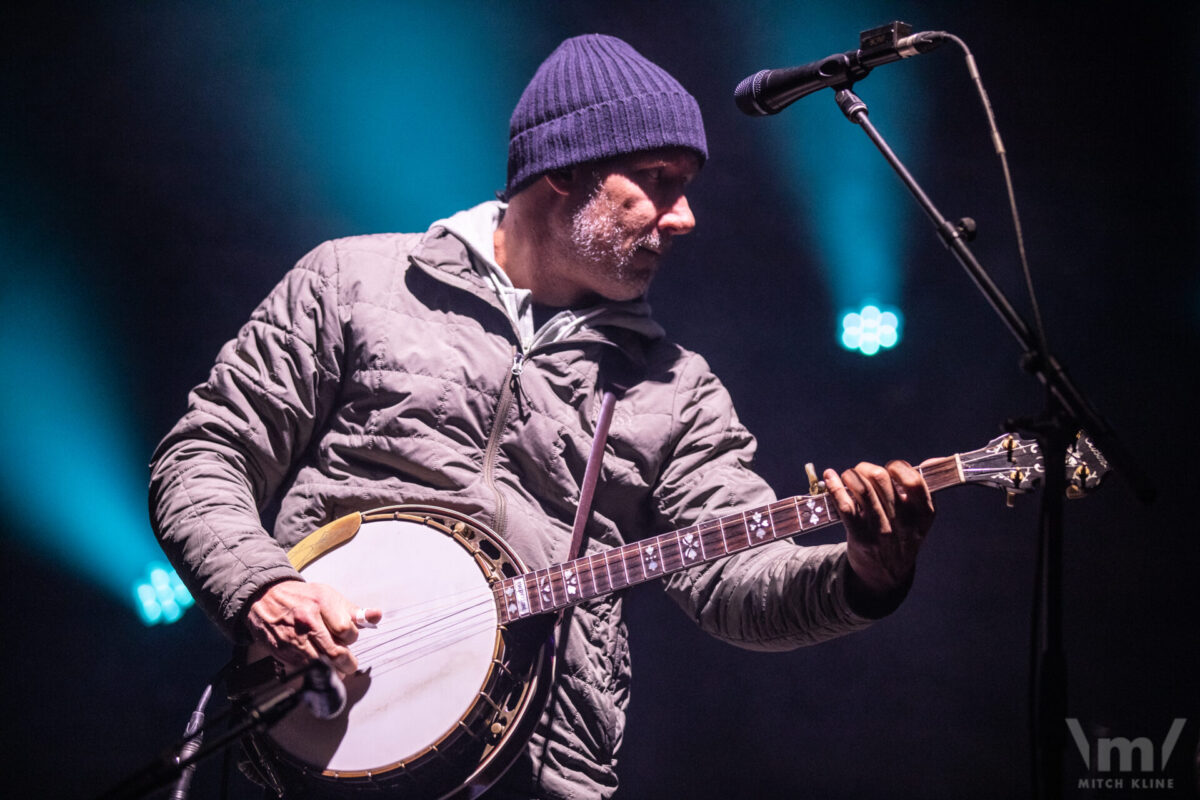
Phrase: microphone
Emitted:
{"points": [[769, 91], [323, 691]]}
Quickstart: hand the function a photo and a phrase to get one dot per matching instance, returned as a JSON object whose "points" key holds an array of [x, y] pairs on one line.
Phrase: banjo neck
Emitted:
{"points": [[1007, 462]]}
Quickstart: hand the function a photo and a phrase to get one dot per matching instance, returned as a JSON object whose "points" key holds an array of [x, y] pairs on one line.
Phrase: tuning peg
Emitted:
{"points": [[1010, 498]]}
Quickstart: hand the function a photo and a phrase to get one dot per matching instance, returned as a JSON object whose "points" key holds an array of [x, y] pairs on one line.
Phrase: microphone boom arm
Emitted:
{"points": [[769, 91]]}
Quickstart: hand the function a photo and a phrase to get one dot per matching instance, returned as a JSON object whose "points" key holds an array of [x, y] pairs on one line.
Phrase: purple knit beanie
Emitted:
{"points": [[592, 98]]}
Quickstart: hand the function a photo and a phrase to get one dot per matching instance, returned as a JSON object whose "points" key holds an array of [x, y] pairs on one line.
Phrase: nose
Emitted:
{"points": [[678, 219]]}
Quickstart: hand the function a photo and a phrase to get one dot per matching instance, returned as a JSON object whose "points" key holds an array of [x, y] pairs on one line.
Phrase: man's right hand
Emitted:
{"points": [[300, 622]]}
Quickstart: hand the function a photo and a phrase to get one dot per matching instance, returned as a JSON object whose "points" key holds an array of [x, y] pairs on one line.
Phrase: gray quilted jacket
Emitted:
{"points": [[371, 375]]}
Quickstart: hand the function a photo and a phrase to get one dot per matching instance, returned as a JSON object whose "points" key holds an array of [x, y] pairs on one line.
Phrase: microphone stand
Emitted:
{"points": [[257, 718], [1066, 412]]}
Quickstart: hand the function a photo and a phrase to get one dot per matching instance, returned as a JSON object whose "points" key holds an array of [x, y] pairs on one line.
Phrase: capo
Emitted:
{"points": [[815, 485]]}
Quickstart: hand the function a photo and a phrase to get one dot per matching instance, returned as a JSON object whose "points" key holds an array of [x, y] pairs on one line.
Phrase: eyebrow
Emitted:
{"points": [[654, 163]]}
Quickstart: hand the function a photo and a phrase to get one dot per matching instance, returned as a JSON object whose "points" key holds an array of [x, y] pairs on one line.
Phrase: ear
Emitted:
{"points": [[562, 180]]}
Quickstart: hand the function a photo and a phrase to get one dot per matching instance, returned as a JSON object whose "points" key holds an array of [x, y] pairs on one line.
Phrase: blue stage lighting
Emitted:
{"points": [[161, 596], [870, 330], [838, 183], [359, 122], [78, 473]]}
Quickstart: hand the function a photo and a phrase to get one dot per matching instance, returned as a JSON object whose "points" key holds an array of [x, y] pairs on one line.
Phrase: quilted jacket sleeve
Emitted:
{"points": [[774, 597], [243, 429]]}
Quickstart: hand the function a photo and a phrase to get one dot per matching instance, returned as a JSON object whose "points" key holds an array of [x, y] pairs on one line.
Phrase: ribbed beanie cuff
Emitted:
{"points": [[595, 97]]}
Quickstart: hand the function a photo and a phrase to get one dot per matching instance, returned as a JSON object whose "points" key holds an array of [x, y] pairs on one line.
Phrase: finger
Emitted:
{"points": [[367, 617], [339, 620], [906, 477], [339, 656], [871, 511], [879, 481], [846, 502], [916, 506], [901, 474]]}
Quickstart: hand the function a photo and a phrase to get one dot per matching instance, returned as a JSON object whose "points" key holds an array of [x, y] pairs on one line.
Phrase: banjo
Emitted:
{"points": [[455, 676]]}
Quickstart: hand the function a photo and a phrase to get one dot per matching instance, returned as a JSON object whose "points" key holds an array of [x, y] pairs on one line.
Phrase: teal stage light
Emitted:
{"points": [[161, 596], [76, 475], [870, 330], [375, 121], [834, 181]]}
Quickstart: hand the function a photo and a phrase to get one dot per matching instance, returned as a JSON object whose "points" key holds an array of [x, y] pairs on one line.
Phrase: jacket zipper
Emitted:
{"points": [[507, 391]]}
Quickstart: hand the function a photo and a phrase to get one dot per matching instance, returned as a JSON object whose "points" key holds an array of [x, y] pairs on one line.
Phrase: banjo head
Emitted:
{"points": [[440, 681]]}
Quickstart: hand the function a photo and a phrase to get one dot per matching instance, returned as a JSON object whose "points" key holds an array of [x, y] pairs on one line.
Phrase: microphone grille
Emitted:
{"points": [[746, 94]]}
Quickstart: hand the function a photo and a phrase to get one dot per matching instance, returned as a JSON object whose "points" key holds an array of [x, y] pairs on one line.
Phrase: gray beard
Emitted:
{"points": [[601, 241]]}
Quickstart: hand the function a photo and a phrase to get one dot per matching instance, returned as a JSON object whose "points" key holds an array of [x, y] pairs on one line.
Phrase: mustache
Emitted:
{"points": [[655, 241]]}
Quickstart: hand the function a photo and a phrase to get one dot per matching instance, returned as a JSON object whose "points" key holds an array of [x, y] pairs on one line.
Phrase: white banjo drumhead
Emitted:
{"points": [[422, 668]]}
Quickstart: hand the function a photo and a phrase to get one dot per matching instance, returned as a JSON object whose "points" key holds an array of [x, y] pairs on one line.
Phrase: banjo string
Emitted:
{"points": [[419, 635]]}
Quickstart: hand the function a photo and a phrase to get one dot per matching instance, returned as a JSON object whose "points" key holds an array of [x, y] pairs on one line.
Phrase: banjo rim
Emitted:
{"points": [[492, 714]]}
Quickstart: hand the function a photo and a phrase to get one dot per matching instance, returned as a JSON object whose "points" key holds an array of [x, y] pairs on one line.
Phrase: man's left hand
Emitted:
{"points": [[887, 512]]}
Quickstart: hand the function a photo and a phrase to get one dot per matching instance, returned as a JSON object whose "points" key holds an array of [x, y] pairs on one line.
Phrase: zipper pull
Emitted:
{"points": [[518, 366]]}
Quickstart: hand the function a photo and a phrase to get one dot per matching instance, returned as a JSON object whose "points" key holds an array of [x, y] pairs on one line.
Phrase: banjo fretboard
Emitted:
{"points": [[556, 587]]}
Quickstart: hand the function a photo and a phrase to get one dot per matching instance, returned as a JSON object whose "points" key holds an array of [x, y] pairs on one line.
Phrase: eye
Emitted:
{"points": [[653, 174]]}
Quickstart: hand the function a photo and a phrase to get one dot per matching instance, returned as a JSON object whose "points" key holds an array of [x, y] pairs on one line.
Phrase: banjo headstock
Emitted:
{"points": [[1014, 464], [1086, 466]]}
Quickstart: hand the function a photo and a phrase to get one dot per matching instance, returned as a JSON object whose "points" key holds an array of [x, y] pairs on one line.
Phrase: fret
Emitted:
{"points": [[624, 553], [505, 598], [593, 573], [785, 517], [813, 511], [691, 546], [737, 535], [583, 568], [526, 590], [776, 528], [759, 526], [554, 575], [713, 537], [570, 582], [651, 556], [672, 558], [607, 570], [531, 591], [666, 552], [545, 589]]}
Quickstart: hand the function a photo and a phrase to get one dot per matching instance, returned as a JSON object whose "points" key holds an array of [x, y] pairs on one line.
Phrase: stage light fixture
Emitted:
{"points": [[161, 596], [870, 330]]}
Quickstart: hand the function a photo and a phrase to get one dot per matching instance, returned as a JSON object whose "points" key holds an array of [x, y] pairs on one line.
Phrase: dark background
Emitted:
{"points": [[140, 164]]}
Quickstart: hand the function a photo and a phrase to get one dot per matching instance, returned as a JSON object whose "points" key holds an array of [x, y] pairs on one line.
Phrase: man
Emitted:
{"points": [[463, 367]]}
